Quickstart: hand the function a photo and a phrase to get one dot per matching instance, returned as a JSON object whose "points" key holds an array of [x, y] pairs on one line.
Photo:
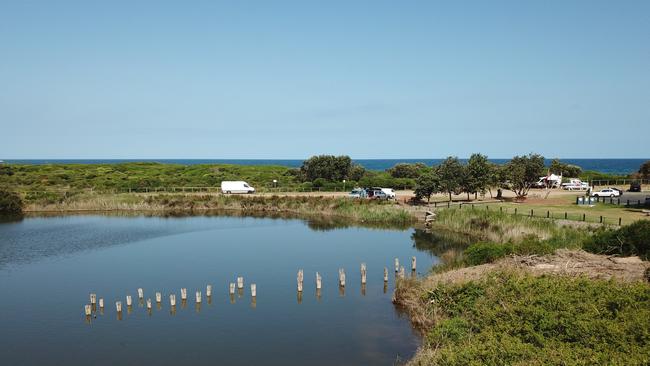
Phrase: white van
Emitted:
{"points": [[236, 187]]}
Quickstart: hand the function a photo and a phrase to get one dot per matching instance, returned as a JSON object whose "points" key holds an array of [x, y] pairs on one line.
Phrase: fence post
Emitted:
{"points": [[584, 217], [565, 215], [531, 213], [515, 210], [601, 219], [619, 221], [548, 214]]}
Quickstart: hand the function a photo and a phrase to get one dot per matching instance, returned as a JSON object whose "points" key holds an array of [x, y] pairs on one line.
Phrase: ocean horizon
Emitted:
{"points": [[610, 166]]}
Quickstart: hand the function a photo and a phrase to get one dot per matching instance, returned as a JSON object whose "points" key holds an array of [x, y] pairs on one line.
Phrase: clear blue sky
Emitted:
{"points": [[375, 79]]}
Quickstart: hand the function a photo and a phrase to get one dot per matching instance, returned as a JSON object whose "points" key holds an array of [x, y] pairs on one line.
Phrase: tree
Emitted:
{"points": [[523, 171], [426, 185], [477, 175], [563, 169], [10, 203], [496, 178], [450, 173], [405, 170], [644, 170], [356, 172], [329, 167]]}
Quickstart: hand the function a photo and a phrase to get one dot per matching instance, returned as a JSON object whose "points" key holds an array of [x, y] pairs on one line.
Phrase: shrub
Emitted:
{"points": [[10, 203], [480, 253], [509, 318], [633, 239]]}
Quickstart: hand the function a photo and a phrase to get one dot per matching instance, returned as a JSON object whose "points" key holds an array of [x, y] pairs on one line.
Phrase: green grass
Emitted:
{"points": [[511, 318]]}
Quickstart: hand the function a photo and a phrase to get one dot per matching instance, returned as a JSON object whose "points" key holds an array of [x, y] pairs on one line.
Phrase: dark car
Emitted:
{"points": [[635, 187]]}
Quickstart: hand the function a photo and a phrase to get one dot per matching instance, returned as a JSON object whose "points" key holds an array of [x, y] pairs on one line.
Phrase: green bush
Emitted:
{"points": [[480, 253], [633, 239], [10, 203], [510, 318]]}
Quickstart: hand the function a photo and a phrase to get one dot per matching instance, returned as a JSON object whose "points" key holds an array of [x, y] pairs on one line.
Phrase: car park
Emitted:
{"points": [[358, 193]]}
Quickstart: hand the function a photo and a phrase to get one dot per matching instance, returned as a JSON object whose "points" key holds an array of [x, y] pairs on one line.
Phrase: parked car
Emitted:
{"points": [[377, 194], [607, 192], [229, 187], [635, 187], [575, 184], [389, 192], [620, 191], [358, 193]]}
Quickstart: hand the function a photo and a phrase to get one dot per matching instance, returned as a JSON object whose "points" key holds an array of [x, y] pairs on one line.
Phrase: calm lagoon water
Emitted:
{"points": [[49, 265]]}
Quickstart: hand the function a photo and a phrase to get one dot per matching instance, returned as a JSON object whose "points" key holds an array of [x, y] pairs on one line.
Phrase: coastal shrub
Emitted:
{"points": [[514, 318], [633, 239], [480, 253], [10, 203]]}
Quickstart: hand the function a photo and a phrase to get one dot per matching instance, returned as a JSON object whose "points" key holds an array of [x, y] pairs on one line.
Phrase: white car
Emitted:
{"points": [[229, 187], [607, 192], [390, 193]]}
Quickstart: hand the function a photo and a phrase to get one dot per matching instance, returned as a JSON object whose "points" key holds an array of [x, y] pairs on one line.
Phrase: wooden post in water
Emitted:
{"points": [[140, 294], [158, 297], [101, 301], [401, 272], [232, 288], [385, 274], [396, 265], [118, 306], [198, 297], [341, 277], [319, 281], [208, 290], [253, 290], [172, 300], [240, 282], [363, 273], [129, 301], [413, 263], [183, 294], [88, 309], [148, 304], [93, 299]]}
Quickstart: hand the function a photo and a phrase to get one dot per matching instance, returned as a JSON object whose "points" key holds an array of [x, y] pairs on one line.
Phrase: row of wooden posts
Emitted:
{"points": [[94, 301]]}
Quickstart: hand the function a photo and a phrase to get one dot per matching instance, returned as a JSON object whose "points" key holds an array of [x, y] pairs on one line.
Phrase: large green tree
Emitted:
{"points": [[644, 170], [426, 185], [328, 167], [522, 172], [10, 203], [477, 175], [451, 174], [406, 170]]}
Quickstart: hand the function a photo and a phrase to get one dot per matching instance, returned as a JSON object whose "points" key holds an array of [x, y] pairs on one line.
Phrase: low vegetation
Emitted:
{"points": [[511, 317], [633, 239], [10, 203]]}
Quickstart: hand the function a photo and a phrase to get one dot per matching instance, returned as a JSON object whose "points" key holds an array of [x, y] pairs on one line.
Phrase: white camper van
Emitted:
{"points": [[236, 187]]}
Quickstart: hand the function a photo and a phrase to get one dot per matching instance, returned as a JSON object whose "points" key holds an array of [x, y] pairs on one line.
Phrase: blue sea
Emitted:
{"points": [[611, 166]]}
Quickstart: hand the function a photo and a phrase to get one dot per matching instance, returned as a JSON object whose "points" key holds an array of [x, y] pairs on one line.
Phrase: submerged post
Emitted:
{"points": [[363, 273], [88, 309], [129, 301], [413, 263], [158, 297], [198, 297], [148, 304], [172, 300], [318, 281], [253, 290], [401, 271], [208, 290], [341, 277], [118, 306], [101, 301], [140, 293], [240, 282], [93, 299], [385, 274], [396, 265], [232, 288], [183, 294]]}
